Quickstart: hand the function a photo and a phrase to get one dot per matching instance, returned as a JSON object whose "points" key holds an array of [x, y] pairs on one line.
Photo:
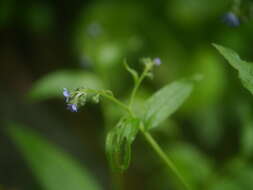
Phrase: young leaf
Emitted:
{"points": [[53, 168], [166, 101], [52, 84], [245, 69], [131, 71], [119, 141]]}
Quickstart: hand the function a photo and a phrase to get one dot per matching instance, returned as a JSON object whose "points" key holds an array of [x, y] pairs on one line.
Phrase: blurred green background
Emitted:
{"points": [[48, 45]]}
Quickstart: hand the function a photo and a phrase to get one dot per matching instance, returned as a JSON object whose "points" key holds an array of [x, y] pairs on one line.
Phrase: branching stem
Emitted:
{"points": [[152, 142], [110, 97], [137, 85]]}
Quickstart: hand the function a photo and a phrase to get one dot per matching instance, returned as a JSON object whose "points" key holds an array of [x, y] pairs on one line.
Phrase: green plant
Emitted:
{"points": [[156, 109]]}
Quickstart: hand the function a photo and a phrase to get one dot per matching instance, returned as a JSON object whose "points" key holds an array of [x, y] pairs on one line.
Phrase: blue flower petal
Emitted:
{"points": [[231, 19], [157, 61], [72, 107], [66, 93]]}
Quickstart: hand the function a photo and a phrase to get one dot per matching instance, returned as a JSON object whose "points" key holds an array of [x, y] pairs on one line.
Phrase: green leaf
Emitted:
{"points": [[52, 84], [54, 169], [119, 141], [166, 101], [245, 69], [131, 71]]}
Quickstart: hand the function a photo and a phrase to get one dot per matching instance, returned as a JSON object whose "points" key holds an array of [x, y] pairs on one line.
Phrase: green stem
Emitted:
{"points": [[137, 85], [164, 157], [119, 103], [146, 134], [117, 181], [152, 141], [112, 98]]}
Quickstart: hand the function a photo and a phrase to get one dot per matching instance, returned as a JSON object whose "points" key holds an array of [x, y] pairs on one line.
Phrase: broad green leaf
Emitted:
{"points": [[54, 169], [52, 84], [119, 141], [166, 101], [245, 69]]}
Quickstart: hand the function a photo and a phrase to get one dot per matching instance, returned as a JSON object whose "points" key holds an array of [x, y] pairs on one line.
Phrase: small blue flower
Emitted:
{"points": [[72, 107], [66, 94], [231, 19], [157, 61], [94, 29]]}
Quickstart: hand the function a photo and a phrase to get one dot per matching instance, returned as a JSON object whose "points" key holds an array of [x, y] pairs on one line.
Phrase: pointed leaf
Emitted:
{"points": [[245, 69], [131, 71], [54, 169], [166, 101]]}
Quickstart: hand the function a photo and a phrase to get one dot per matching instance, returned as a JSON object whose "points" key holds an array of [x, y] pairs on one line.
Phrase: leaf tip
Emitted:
{"points": [[217, 46]]}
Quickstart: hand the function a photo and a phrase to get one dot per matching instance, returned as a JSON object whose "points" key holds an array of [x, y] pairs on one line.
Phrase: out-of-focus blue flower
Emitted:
{"points": [[66, 94], [157, 61], [231, 19], [94, 29], [72, 107]]}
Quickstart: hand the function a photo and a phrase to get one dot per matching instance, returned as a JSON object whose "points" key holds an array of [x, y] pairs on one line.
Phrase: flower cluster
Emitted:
{"points": [[70, 106], [78, 97], [149, 65]]}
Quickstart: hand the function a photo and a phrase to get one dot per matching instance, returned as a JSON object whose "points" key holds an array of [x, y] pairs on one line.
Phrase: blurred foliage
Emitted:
{"points": [[53, 168], [189, 159], [47, 46], [52, 85]]}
